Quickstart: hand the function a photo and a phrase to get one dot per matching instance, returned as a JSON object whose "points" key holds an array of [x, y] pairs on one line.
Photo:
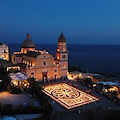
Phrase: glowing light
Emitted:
{"points": [[58, 57], [17, 52], [68, 96], [44, 52], [113, 89], [94, 85], [106, 90], [63, 43], [33, 64], [63, 65], [63, 48], [15, 82], [25, 84]]}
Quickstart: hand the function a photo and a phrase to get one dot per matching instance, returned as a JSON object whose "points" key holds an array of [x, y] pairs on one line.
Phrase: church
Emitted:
{"points": [[40, 64]]}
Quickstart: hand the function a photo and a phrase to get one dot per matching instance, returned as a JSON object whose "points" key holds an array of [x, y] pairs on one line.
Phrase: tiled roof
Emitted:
{"points": [[33, 54], [61, 38]]}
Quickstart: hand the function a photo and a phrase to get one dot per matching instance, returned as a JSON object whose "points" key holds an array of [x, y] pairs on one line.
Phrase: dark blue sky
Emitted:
{"points": [[82, 21]]}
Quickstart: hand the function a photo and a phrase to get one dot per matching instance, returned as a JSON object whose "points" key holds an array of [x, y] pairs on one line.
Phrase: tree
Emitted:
{"points": [[87, 81], [4, 76], [44, 101], [13, 71]]}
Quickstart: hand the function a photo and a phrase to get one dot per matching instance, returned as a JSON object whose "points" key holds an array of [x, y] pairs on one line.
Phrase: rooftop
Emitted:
{"points": [[61, 38], [110, 83], [28, 43], [33, 54], [18, 76]]}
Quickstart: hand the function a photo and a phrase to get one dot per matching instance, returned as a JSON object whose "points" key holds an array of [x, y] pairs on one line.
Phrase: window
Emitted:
{"points": [[30, 63], [63, 65], [14, 59], [58, 56], [63, 48], [4, 51], [44, 63], [4, 56]]}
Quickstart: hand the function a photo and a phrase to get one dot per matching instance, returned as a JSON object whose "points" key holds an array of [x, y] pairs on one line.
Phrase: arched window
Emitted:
{"points": [[55, 76], [32, 73], [14, 59], [63, 65], [63, 48], [44, 63]]}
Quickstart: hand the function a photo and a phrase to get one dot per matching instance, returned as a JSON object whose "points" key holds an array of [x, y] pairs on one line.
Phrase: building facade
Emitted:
{"points": [[40, 64], [4, 52]]}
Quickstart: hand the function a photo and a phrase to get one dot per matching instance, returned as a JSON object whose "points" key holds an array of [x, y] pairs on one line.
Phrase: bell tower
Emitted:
{"points": [[62, 55]]}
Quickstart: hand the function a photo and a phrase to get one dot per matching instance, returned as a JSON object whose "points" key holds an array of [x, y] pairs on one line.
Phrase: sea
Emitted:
{"points": [[89, 58]]}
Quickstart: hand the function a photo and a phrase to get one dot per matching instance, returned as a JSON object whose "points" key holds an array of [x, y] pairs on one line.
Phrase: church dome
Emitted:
{"points": [[61, 38], [27, 43]]}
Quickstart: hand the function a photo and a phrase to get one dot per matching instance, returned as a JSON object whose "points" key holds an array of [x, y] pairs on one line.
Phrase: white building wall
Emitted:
{"points": [[4, 52]]}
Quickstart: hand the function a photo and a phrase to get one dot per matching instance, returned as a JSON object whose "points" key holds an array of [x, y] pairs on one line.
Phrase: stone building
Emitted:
{"points": [[40, 64]]}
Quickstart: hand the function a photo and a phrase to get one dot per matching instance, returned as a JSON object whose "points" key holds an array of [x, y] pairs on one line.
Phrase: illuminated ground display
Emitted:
{"points": [[68, 96]]}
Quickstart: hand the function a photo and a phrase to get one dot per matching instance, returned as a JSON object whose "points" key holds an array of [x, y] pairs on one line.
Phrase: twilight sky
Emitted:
{"points": [[82, 21]]}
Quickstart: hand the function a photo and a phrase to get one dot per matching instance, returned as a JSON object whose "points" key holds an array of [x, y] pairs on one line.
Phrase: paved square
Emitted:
{"points": [[68, 96], [15, 99]]}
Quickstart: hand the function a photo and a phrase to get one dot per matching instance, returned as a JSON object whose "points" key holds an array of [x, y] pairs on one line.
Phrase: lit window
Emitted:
{"points": [[63, 65], [58, 49], [30, 63], [25, 51], [63, 48], [4, 56], [58, 56]]}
